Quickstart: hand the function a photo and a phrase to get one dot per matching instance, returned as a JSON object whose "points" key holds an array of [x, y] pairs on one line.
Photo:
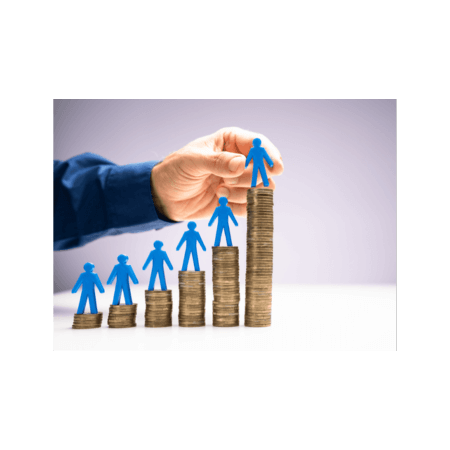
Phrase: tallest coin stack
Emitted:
{"points": [[258, 277]]}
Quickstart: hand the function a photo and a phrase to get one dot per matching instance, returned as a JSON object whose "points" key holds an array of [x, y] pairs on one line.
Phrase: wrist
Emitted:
{"points": [[157, 201]]}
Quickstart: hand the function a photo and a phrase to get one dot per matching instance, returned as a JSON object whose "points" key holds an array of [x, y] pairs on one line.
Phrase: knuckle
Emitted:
{"points": [[230, 133], [217, 160]]}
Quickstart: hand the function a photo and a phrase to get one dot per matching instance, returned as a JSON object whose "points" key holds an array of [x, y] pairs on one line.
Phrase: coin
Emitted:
{"points": [[192, 302], [158, 308], [86, 321], [259, 267], [225, 262], [122, 316]]}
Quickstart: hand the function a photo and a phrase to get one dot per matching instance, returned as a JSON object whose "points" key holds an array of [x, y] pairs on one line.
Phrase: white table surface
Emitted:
{"points": [[319, 317]]}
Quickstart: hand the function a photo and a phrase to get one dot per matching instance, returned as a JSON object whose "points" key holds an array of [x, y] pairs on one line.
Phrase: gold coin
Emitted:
{"points": [[132, 306], [88, 315], [87, 321]]}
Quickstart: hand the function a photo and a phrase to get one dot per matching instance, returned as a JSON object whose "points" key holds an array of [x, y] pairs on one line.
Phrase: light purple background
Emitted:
{"points": [[335, 204]]}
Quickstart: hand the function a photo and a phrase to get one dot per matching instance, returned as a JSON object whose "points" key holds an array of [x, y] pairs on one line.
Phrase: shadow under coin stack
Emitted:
{"points": [[84, 321], [122, 316], [226, 286], [258, 276], [158, 309], [192, 299]]}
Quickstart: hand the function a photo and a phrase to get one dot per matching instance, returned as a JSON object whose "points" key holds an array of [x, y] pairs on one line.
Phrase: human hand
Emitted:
{"points": [[187, 184]]}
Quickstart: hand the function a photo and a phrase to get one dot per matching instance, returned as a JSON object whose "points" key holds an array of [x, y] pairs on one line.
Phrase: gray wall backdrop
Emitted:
{"points": [[335, 204]]}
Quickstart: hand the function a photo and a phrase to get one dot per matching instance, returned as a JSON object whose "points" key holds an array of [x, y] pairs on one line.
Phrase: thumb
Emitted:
{"points": [[222, 164]]}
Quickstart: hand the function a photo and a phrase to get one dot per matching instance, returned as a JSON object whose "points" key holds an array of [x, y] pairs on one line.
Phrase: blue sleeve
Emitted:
{"points": [[94, 197]]}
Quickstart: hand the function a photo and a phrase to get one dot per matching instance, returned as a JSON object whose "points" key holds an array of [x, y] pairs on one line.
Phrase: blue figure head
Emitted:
{"points": [[158, 245], [256, 142], [122, 259], [223, 201], [88, 267], [192, 225]]}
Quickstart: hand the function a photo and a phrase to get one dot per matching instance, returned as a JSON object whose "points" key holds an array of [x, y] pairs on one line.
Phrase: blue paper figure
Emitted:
{"points": [[158, 257], [191, 237], [223, 212], [123, 272], [89, 280], [258, 154]]}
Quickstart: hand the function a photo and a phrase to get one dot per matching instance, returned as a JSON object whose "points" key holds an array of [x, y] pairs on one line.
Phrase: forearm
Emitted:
{"points": [[94, 197]]}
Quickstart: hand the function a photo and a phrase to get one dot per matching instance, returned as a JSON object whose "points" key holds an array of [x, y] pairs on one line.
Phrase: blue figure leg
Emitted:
{"points": [[92, 302], [228, 235], [127, 294], [151, 286], [117, 294], [186, 260], [82, 304], [162, 280], [254, 175], [195, 259], [218, 235], [262, 171]]}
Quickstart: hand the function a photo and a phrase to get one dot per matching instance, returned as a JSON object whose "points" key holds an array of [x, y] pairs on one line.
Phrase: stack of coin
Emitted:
{"points": [[192, 299], [226, 286], [158, 309], [258, 277], [122, 316], [83, 321]]}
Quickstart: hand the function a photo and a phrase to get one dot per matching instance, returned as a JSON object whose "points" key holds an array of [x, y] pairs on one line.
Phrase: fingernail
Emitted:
{"points": [[234, 163], [232, 180], [223, 192]]}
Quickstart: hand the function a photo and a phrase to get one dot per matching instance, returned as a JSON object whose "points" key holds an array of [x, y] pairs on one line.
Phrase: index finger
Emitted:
{"points": [[237, 140]]}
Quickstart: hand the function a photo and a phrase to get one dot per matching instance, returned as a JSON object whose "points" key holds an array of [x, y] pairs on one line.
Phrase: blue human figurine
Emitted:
{"points": [[258, 154], [89, 280], [191, 237], [158, 257], [222, 213], [123, 272]]}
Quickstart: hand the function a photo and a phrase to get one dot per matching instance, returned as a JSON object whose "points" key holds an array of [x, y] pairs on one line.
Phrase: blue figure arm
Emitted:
{"points": [[132, 275], [182, 241], [78, 284], [167, 260], [214, 216], [249, 158], [113, 275], [230, 212], [267, 158], [98, 283], [150, 257], [202, 245]]}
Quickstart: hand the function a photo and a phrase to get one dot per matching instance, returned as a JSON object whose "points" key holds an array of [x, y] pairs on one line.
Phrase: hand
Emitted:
{"points": [[188, 183]]}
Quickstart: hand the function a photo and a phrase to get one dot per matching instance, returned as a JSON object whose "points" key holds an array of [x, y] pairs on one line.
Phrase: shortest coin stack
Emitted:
{"points": [[84, 321], [192, 299], [158, 309], [122, 316]]}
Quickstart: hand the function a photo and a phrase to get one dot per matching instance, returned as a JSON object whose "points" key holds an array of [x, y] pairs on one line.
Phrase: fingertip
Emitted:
{"points": [[223, 192]]}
